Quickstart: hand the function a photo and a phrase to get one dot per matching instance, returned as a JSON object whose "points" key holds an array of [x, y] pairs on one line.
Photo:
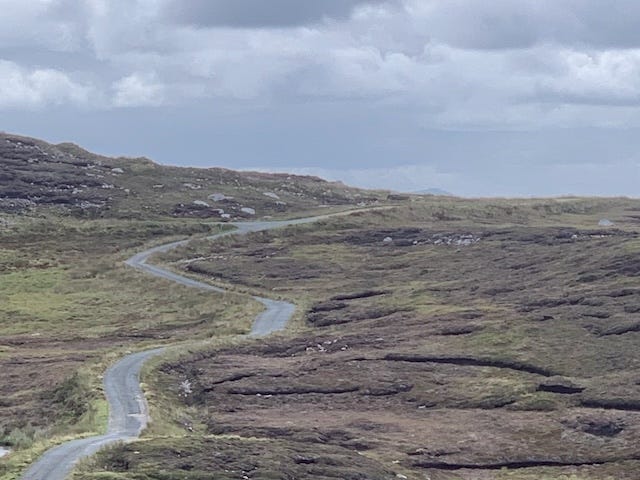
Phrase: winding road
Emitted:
{"points": [[128, 412]]}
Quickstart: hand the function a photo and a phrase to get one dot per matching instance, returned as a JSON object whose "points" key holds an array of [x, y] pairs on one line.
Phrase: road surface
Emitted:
{"points": [[128, 413]]}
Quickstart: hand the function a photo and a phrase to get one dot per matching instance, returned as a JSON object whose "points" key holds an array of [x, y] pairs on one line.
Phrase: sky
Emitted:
{"points": [[476, 97]]}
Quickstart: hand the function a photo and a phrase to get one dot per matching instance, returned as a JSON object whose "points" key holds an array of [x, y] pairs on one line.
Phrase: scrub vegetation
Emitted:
{"points": [[69, 307], [438, 338], [443, 339]]}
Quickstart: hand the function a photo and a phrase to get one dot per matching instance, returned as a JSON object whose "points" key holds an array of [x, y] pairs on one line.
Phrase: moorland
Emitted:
{"points": [[436, 337]]}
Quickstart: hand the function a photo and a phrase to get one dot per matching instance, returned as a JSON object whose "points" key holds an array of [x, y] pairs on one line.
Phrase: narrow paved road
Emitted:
{"points": [[128, 409]]}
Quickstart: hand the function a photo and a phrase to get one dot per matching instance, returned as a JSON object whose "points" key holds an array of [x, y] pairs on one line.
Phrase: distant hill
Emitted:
{"points": [[35, 175], [434, 191]]}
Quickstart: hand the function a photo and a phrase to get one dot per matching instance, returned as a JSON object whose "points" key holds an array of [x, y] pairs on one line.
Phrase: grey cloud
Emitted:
{"points": [[505, 24], [261, 13], [530, 85]]}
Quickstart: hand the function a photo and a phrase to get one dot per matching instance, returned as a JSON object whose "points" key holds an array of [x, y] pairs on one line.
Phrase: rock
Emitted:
{"points": [[248, 211], [200, 203], [387, 240], [271, 195], [219, 197], [226, 216], [192, 186], [185, 388], [117, 170], [398, 197], [605, 222], [87, 205]]}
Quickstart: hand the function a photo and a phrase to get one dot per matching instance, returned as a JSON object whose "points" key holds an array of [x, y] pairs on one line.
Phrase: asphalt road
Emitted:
{"points": [[127, 406]]}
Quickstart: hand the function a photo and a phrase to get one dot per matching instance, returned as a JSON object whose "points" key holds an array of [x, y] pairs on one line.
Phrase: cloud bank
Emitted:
{"points": [[407, 66]]}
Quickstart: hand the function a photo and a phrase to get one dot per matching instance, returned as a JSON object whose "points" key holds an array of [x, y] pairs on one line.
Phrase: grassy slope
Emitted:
{"points": [[68, 305], [513, 357]]}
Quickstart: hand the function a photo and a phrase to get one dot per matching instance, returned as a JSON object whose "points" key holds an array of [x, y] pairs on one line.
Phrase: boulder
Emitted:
{"points": [[219, 197]]}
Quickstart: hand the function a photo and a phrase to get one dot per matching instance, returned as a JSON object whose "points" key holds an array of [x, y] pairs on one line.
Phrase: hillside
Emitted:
{"points": [[435, 337], [67, 179], [449, 339], [69, 306]]}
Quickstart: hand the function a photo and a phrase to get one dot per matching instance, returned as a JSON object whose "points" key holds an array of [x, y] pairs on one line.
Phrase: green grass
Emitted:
{"points": [[68, 302]]}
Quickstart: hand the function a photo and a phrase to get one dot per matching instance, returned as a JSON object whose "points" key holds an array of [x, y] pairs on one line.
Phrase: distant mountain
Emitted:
{"points": [[435, 191]]}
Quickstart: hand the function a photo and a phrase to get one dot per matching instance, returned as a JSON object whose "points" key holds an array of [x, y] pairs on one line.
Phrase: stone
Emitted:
{"points": [[218, 197], [387, 240], [605, 222], [248, 210], [271, 195], [200, 203]]}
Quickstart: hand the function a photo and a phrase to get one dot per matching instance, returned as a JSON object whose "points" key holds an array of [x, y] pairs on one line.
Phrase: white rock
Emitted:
{"points": [[117, 170], [200, 203], [387, 240], [605, 222], [4, 451], [218, 197], [226, 216], [271, 195], [248, 211]]}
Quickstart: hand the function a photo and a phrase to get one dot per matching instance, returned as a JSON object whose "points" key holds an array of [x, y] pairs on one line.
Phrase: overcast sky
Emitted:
{"points": [[478, 97]]}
